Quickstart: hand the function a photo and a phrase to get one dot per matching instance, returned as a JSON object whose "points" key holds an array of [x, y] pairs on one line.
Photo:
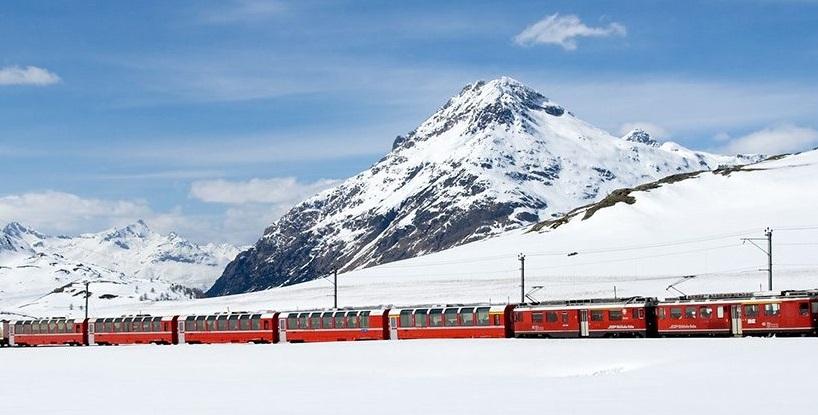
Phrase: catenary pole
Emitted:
{"points": [[769, 235], [335, 287], [87, 294], [521, 257]]}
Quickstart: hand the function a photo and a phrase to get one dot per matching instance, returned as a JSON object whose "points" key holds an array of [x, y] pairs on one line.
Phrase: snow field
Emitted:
{"points": [[588, 376]]}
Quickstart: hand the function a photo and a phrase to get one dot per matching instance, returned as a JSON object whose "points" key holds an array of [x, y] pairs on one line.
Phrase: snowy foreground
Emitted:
{"points": [[667, 376]]}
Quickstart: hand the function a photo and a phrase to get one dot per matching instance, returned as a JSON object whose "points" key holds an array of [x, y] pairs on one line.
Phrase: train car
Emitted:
{"points": [[736, 314], [141, 329], [238, 327], [334, 325], [4, 330], [602, 317], [49, 331], [450, 322]]}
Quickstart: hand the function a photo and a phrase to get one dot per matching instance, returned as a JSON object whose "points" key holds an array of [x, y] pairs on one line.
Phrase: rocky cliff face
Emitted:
{"points": [[495, 157]]}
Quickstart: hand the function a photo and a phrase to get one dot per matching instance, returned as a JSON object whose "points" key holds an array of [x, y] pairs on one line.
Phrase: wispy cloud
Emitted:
{"points": [[238, 11], [275, 190], [29, 75], [785, 138], [564, 31]]}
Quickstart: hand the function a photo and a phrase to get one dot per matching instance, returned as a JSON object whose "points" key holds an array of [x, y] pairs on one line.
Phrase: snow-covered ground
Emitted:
{"points": [[619, 376]]}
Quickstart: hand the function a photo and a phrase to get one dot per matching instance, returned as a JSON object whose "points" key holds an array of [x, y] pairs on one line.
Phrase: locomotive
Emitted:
{"points": [[789, 313]]}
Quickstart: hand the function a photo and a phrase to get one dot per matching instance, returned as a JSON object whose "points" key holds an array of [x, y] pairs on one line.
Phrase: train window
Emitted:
{"points": [[352, 319], [467, 316], [255, 323], [109, 326], [564, 317], [233, 322], [751, 310], [772, 309], [60, 327], [660, 312], [23, 328], [450, 317], [302, 321], [201, 325], [635, 312], [705, 312], [99, 327], [690, 312], [292, 321], [340, 320], [536, 317], [364, 319], [803, 309], [52, 327], [815, 308], [315, 320], [33, 328], [326, 321], [244, 322], [551, 316], [405, 318], [211, 323], [436, 317], [641, 313], [483, 316], [676, 312], [190, 324], [615, 315], [146, 325], [420, 318], [496, 319], [221, 323], [596, 315]]}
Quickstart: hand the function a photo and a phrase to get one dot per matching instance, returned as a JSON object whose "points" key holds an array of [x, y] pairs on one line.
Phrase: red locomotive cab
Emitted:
{"points": [[737, 314], [236, 327], [450, 322], [334, 325]]}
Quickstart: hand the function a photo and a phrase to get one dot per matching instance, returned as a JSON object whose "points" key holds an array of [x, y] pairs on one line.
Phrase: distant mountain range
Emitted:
{"points": [[496, 157], [131, 263]]}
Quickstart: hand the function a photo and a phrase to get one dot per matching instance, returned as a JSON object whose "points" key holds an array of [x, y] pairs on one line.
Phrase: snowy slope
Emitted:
{"points": [[496, 157], [688, 227], [475, 377], [126, 264]]}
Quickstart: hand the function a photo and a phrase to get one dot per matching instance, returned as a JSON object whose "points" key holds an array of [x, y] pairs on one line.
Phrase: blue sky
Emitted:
{"points": [[212, 118]]}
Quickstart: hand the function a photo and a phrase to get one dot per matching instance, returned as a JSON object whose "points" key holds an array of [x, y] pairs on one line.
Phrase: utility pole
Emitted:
{"points": [[335, 286], [521, 257], [768, 233], [87, 294]]}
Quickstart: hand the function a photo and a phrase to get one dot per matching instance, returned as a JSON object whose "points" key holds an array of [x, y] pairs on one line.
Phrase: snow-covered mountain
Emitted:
{"points": [[128, 264], [496, 157]]}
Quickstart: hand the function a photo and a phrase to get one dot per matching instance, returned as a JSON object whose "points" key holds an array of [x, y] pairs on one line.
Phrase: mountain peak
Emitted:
{"points": [[484, 108], [638, 135], [17, 229], [138, 229]]}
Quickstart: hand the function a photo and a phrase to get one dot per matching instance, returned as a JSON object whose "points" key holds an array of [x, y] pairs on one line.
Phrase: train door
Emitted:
{"points": [[91, 327], [583, 323], [11, 333], [180, 330], [735, 320], [282, 330], [393, 327]]}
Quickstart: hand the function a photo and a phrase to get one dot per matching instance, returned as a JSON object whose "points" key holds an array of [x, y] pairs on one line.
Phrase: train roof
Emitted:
{"points": [[591, 302]]}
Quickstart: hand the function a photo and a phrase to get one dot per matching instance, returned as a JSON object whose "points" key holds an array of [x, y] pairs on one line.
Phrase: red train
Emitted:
{"points": [[737, 314]]}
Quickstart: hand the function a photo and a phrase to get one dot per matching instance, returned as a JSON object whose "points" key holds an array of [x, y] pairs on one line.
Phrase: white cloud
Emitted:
{"points": [[563, 31], [785, 138], [66, 213], [30, 75], [654, 130], [267, 191]]}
